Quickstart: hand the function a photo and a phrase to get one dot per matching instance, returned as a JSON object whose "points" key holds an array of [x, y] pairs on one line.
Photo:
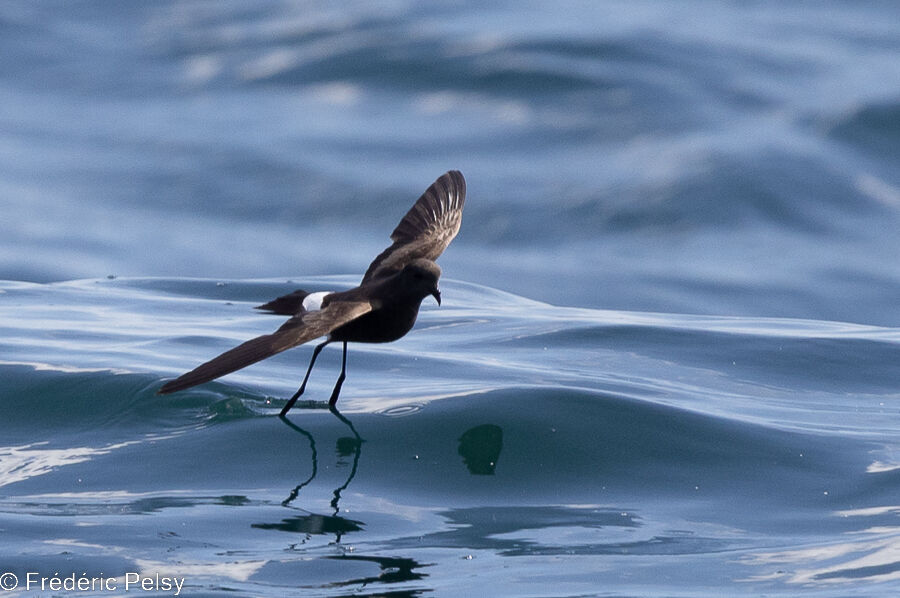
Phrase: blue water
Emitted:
{"points": [[668, 358]]}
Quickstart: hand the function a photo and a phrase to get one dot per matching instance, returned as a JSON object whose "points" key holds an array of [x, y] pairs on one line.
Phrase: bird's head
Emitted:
{"points": [[421, 277]]}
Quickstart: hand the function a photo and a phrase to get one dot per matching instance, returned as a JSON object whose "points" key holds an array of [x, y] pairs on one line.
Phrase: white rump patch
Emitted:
{"points": [[313, 301]]}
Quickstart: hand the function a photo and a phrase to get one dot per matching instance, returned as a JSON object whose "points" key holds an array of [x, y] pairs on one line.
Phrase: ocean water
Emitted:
{"points": [[668, 358]]}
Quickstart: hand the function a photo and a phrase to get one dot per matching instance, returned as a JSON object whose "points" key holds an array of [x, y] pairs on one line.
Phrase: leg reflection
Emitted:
{"points": [[357, 451], [313, 455], [323, 524]]}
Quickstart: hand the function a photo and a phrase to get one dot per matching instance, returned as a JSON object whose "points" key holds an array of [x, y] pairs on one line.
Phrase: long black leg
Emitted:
{"points": [[340, 381], [300, 390]]}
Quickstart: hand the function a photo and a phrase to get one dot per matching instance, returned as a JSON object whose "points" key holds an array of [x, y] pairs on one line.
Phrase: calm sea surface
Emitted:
{"points": [[668, 358]]}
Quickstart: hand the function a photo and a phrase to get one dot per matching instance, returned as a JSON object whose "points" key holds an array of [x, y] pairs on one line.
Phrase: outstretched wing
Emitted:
{"points": [[427, 228], [295, 331]]}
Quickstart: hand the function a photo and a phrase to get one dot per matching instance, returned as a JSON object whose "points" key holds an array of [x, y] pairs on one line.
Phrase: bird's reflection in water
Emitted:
{"points": [[346, 447], [480, 448], [393, 570], [313, 523], [314, 457]]}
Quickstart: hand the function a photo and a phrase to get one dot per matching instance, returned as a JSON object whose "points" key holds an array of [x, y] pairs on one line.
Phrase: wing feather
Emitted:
{"points": [[296, 331], [427, 229]]}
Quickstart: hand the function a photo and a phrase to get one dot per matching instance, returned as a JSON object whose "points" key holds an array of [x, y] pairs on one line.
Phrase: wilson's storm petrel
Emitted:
{"points": [[381, 309]]}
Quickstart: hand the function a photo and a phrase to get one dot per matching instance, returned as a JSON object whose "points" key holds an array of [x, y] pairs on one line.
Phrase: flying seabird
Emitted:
{"points": [[381, 309]]}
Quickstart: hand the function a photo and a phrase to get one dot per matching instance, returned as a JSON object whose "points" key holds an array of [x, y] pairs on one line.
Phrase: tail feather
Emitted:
{"points": [[286, 305]]}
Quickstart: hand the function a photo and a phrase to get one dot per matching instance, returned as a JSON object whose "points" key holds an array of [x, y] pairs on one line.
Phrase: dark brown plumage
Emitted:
{"points": [[381, 309]]}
